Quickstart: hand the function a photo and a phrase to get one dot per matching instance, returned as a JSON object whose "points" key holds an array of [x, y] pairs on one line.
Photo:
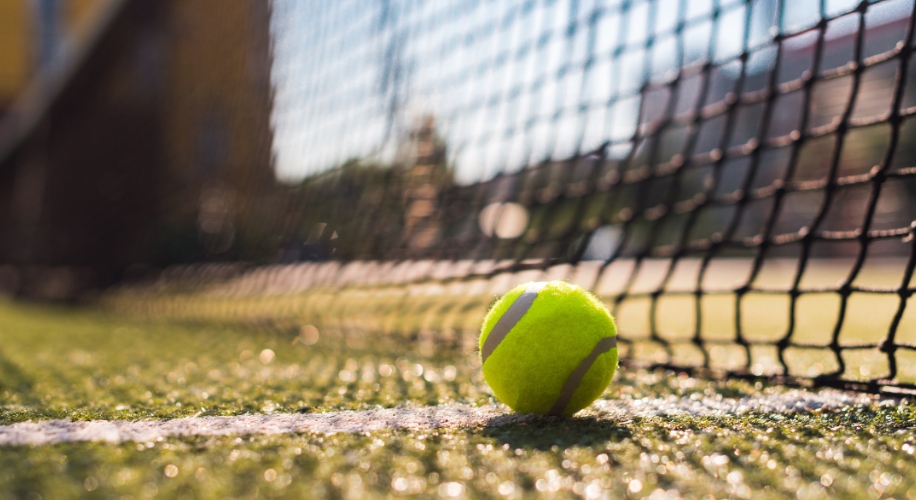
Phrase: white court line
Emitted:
{"points": [[412, 418]]}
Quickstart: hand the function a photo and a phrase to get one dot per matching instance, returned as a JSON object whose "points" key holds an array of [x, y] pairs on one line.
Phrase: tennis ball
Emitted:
{"points": [[549, 348]]}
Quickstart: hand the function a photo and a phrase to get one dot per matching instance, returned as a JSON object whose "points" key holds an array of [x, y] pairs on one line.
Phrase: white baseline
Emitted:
{"points": [[414, 418]]}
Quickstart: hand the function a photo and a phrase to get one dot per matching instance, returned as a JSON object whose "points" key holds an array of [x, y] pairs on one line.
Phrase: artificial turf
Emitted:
{"points": [[82, 363]]}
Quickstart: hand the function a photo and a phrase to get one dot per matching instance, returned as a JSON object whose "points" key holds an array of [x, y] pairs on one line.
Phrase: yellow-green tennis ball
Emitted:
{"points": [[549, 348]]}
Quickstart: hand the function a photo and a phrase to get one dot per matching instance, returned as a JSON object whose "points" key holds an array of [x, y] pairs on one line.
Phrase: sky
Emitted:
{"points": [[510, 82]]}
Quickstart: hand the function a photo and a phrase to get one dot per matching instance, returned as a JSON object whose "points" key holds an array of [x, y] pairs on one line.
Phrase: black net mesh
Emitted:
{"points": [[733, 177]]}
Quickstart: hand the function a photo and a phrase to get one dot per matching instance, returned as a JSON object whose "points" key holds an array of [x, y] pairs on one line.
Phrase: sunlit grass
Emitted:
{"points": [[854, 454], [85, 364], [177, 354], [67, 363], [659, 331]]}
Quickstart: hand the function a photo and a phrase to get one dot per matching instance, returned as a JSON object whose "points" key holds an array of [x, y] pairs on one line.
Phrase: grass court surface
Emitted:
{"points": [[653, 434]]}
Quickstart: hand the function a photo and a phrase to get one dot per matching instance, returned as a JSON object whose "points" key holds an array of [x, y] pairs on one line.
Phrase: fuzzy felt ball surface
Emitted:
{"points": [[549, 348]]}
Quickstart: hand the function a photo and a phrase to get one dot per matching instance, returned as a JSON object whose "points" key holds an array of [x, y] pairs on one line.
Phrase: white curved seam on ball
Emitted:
{"points": [[510, 318], [575, 378]]}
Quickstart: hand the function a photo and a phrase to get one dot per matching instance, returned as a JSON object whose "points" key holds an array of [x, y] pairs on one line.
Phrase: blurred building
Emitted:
{"points": [[17, 52], [134, 131], [34, 34]]}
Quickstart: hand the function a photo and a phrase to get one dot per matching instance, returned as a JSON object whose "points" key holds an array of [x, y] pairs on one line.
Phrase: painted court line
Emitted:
{"points": [[410, 418]]}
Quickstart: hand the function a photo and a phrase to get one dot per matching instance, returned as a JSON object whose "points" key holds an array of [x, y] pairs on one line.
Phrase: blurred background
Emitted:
{"points": [[133, 132], [140, 134]]}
